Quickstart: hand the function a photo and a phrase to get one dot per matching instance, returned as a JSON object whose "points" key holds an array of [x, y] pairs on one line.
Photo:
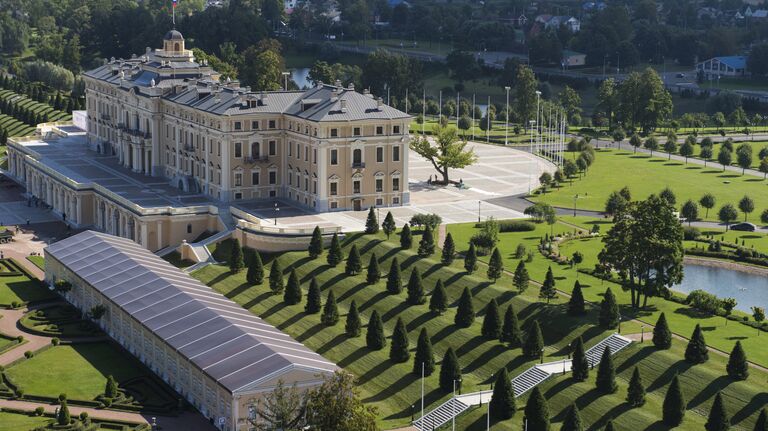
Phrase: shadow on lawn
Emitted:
{"points": [[353, 357], [349, 292], [665, 378], [430, 398], [636, 358], [393, 388], [757, 402], [709, 391]]}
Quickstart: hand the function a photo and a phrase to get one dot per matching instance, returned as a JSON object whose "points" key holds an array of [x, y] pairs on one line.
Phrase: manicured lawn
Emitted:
{"points": [[21, 422], [391, 387], [743, 399], [681, 318], [645, 175], [39, 261], [80, 371], [19, 288]]}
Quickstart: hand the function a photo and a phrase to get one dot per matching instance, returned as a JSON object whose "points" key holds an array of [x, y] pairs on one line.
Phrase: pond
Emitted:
{"points": [[746, 288]]}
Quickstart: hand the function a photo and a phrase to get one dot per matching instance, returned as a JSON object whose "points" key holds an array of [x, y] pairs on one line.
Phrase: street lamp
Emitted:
{"points": [[506, 126], [542, 356], [453, 404], [478, 211], [285, 79], [277, 212], [576, 196], [538, 130], [642, 333]]}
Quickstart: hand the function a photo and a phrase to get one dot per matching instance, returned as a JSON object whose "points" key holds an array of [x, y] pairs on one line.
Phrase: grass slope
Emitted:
{"points": [[20, 422], [391, 387]]}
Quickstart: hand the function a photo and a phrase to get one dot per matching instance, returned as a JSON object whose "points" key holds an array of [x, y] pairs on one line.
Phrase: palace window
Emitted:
{"points": [[379, 154], [334, 157], [396, 153], [238, 149]]}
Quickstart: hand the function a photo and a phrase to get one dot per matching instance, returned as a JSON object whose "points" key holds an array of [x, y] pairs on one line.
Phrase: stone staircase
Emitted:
{"points": [[529, 378], [615, 342], [441, 415], [522, 383]]}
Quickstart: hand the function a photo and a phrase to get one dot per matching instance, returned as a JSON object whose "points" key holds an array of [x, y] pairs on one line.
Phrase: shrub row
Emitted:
{"points": [[512, 226]]}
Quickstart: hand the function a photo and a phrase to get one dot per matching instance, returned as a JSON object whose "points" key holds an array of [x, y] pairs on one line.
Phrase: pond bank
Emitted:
{"points": [[725, 264]]}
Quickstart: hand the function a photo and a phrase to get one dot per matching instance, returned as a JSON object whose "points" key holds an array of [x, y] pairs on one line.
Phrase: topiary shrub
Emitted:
{"points": [[28, 354], [39, 411]]}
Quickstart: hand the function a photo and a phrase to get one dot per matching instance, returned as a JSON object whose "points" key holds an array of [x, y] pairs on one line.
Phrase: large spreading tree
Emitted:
{"points": [[645, 246], [444, 150]]}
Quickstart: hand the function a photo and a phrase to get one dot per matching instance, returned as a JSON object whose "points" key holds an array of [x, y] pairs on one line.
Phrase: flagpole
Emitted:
{"points": [[422, 396], [173, 13]]}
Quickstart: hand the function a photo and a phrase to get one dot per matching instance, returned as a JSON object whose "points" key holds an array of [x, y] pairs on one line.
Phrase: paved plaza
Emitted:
{"points": [[500, 171]]}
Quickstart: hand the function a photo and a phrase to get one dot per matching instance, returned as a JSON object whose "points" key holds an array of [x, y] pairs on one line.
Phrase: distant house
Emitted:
{"points": [[723, 66], [756, 14], [591, 6], [573, 58], [555, 21], [394, 3]]}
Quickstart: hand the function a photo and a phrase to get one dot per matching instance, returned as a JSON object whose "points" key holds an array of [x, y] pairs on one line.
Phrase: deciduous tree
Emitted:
{"points": [[444, 151]]}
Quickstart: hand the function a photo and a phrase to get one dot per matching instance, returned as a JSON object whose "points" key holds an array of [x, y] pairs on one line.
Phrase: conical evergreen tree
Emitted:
{"points": [[576, 303], [738, 368], [335, 254], [276, 277], [491, 328], [662, 336], [609, 311], [316, 243], [371, 223], [572, 421], [415, 288], [63, 418], [388, 225], [450, 371], [580, 364], [470, 259], [718, 417], [438, 302], [394, 279], [606, 373], [374, 273], [636, 390], [762, 421], [503, 399], [330, 314], [521, 277], [236, 263], [427, 242], [424, 355], [314, 303], [353, 326], [465, 311], [110, 391], [255, 274], [354, 263], [292, 294], [673, 410], [495, 266], [609, 426], [374, 337], [534, 341], [696, 352], [510, 330], [398, 350], [449, 250], [548, 291], [406, 237], [537, 411]]}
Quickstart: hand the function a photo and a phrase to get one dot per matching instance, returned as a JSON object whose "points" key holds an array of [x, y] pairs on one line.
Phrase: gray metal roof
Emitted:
{"points": [[228, 343]]}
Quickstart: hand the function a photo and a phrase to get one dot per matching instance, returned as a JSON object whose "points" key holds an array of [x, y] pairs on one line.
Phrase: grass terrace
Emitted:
{"points": [[17, 287]]}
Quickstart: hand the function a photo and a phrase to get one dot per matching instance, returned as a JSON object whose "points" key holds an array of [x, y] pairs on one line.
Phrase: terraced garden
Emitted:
{"points": [[394, 389]]}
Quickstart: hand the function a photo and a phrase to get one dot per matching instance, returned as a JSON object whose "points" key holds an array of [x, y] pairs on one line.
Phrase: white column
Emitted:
{"points": [[143, 236], [159, 234], [79, 209]]}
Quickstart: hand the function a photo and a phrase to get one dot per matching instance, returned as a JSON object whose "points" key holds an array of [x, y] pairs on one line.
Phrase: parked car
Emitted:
{"points": [[746, 226], [680, 75]]}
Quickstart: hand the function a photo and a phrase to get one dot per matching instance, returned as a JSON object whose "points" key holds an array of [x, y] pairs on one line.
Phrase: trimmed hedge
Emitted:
{"points": [[513, 226]]}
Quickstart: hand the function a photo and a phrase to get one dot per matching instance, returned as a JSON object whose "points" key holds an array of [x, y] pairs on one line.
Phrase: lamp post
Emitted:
{"points": [[541, 360], [506, 125], [285, 80], [413, 411], [576, 196], [530, 149], [277, 212], [619, 328], [642, 333], [538, 130], [453, 404], [478, 211]]}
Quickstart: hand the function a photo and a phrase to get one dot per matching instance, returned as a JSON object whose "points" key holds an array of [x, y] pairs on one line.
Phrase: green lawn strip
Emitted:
{"points": [[79, 370], [391, 387], [682, 319], [645, 175], [700, 383], [20, 422], [22, 289], [39, 261]]}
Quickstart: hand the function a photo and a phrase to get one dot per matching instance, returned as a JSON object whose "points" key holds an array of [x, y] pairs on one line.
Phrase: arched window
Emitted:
{"points": [[357, 156], [176, 46]]}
